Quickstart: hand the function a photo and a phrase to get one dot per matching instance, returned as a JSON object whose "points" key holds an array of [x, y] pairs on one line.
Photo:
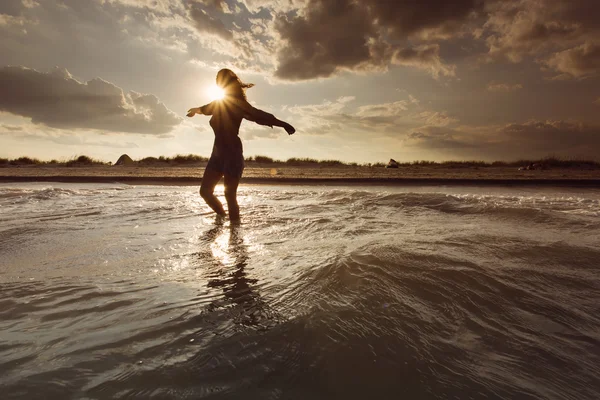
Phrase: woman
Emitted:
{"points": [[227, 158]]}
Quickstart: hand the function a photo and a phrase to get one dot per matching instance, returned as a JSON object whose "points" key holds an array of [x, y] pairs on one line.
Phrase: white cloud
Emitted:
{"points": [[394, 119]]}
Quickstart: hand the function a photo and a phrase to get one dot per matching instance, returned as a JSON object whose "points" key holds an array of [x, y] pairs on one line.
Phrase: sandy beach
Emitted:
{"points": [[278, 174]]}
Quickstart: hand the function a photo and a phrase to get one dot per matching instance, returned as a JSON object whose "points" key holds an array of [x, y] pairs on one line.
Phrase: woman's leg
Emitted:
{"points": [[231, 185], [207, 190]]}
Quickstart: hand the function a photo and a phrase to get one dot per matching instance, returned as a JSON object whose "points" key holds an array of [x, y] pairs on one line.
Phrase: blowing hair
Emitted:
{"points": [[232, 84]]}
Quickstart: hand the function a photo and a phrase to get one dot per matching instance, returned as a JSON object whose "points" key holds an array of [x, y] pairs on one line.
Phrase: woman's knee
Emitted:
{"points": [[206, 192], [230, 195]]}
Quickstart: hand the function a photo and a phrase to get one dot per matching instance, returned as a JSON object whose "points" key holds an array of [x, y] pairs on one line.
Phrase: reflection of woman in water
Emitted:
{"points": [[227, 159], [238, 289]]}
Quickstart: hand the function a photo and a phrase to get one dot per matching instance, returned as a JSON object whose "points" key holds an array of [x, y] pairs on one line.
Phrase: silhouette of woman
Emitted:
{"points": [[227, 159]]}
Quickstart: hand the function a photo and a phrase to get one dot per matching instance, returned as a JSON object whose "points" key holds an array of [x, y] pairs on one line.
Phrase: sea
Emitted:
{"points": [[114, 291]]}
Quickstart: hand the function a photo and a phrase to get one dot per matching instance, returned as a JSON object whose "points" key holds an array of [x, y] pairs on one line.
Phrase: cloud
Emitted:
{"points": [[392, 119], [520, 28], [435, 133], [553, 135], [254, 133], [10, 20], [326, 108], [435, 118], [11, 128], [503, 87], [579, 62], [161, 6], [206, 23], [436, 137], [319, 43], [383, 110], [560, 34], [326, 37], [239, 40], [433, 18], [528, 140], [58, 100], [424, 57], [74, 140], [257, 6]]}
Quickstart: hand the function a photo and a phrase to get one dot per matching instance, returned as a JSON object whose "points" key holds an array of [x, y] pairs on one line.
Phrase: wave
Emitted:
{"points": [[23, 195]]}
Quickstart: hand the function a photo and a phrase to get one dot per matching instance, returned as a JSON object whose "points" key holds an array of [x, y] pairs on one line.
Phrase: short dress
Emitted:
{"points": [[227, 155]]}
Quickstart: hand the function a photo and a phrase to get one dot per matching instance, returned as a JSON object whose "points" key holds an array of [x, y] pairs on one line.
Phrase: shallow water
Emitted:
{"points": [[115, 291]]}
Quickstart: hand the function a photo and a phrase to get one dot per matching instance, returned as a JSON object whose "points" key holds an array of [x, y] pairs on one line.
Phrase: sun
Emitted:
{"points": [[215, 93]]}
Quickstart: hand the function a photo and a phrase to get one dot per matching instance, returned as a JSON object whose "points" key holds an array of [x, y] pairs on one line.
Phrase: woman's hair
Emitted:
{"points": [[231, 83]]}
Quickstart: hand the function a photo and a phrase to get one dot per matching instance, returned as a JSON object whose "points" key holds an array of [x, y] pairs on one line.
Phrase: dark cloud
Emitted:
{"points": [[561, 34], [404, 18], [519, 28], [58, 100], [332, 35], [206, 23], [320, 42]]}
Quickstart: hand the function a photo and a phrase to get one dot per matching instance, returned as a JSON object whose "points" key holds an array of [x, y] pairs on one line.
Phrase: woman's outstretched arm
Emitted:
{"points": [[264, 118], [204, 110]]}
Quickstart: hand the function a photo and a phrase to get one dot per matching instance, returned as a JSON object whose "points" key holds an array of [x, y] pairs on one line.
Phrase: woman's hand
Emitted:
{"points": [[288, 128], [193, 111]]}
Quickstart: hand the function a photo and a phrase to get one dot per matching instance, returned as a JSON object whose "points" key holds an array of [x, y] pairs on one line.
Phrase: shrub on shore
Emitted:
{"points": [[150, 161], [263, 160], [186, 159], [83, 161], [179, 159], [25, 161], [554, 162], [311, 161], [301, 161]]}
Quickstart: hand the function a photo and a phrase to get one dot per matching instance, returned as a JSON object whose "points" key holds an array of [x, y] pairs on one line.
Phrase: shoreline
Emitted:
{"points": [[339, 176]]}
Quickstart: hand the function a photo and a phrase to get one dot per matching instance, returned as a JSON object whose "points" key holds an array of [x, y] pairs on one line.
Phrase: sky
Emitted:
{"points": [[361, 81]]}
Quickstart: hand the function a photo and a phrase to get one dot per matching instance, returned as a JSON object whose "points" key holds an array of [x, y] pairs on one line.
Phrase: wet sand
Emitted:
{"points": [[281, 174]]}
